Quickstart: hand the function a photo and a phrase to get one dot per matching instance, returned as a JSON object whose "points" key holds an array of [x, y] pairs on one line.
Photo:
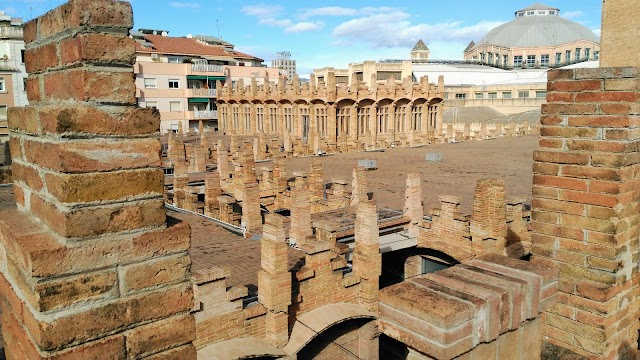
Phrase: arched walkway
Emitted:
{"points": [[314, 323]]}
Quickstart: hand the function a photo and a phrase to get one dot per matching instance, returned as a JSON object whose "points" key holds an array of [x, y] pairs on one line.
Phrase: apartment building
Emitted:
{"points": [[284, 62], [180, 76], [12, 71]]}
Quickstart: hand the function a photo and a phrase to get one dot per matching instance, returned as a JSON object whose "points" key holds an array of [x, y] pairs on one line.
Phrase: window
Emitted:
{"points": [[416, 117], [505, 60], [517, 61], [531, 61], [173, 60], [3, 112], [587, 53], [478, 95], [321, 121], [482, 57], [541, 12], [552, 12], [155, 57], [596, 55], [506, 95], [521, 13], [490, 58], [174, 84], [150, 83], [273, 118], [544, 60], [152, 104], [3, 87], [24, 84], [523, 94], [288, 119], [567, 56], [492, 95], [531, 12], [558, 58], [400, 118], [22, 56], [174, 106], [461, 96], [578, 53], [363, 120], [260, 118], [541, 94], [247, 119]]}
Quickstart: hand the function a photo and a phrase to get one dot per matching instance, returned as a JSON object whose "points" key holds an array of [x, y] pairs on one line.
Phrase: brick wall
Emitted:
{"points": [[585, 210], [90, 266]]}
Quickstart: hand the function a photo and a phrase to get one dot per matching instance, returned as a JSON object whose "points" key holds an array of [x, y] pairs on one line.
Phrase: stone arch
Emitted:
{"points": [[314, 323], [241, 348]]}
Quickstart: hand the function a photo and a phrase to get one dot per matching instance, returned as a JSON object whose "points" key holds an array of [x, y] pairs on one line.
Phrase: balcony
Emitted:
{"points": [[10, 32], [206, 68], [205, 114], [202, 92]]}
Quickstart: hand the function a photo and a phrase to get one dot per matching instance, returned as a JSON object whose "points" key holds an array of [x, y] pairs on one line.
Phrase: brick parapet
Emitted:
{"points": [[88, 183], [471, 305], [585, 208]]}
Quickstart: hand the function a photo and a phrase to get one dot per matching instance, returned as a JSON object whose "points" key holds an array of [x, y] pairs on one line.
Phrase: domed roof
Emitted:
{"points": [[537, 25]]}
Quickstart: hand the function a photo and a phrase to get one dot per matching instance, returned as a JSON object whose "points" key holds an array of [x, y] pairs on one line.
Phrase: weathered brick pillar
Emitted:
{"points": [[212, 191], [251, 213], [367, 260], [359, 186], [619, 44], [585, 207], [316, 181], [413, 208], [90, 268], [300, 211], [489, 217], [274, 280]]}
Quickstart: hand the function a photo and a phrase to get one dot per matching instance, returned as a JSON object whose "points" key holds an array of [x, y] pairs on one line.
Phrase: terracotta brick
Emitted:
{"points": [[160, 335], [62, 292], [26, 174], [597, 96], [589, 198], [560, 74], [568, 109], [111, 348], [551, 143], [575, 327], [601, 121], [30, 31], [166, 270], [509, 344], [561, 182], [615, 108], [621, 85], [100, 121], [15, 148], [95, 322], [565, 132], [104, 219], [79, 188], [87, 85], [555, 96], [19, 195], [559, 206], [100, 48], [580, 85], [41, 58], [561, 157], [24, 119], [94, 155], [546, 168], [33, 89], [551, 120]]}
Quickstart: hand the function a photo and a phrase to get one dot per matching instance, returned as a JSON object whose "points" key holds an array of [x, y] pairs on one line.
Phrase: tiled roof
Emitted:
{"points": [[420, 46], [186, 46]]}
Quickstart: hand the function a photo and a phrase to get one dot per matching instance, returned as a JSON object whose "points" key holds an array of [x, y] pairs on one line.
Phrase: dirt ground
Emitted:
{"points": [[463, 164]]}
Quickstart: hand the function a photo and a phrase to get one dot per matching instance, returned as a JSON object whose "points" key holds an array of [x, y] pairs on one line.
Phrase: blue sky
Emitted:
{"points": [[331, 33]]}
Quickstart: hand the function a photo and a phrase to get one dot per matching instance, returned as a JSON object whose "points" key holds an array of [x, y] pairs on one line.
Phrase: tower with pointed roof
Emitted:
{"points": [[420, 51]]}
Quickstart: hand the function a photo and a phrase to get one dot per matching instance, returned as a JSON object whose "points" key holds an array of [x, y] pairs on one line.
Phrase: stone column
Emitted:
{"points": [[585, 209], [274, 280], [81, 254], [316, 181], [251, 213], [367, 260], [359, 186], [413, 208]]}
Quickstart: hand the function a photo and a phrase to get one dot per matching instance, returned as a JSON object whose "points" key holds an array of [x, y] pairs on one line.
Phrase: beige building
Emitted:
{"points": [[537, 38], [12, 71], [283, 61], [179, 76]]}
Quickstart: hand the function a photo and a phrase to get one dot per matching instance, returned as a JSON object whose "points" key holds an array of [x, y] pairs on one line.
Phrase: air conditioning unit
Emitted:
{"points": [[368, 164]]}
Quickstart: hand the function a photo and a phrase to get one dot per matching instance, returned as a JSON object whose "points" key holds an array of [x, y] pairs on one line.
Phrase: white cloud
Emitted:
{"points": [[9, 10], [262, 11], [304, 26], [571, 15], [187, 5], [328, 11], [394, 29]]}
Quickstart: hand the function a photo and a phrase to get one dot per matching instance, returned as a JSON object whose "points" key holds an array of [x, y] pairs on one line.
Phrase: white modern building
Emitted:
{"points": [[284, 62]]}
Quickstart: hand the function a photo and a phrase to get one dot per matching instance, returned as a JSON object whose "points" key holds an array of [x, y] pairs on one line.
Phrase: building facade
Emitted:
{"points": [[179, 76], [537, 38], [12, 71], [330, 115], [283, 61]]}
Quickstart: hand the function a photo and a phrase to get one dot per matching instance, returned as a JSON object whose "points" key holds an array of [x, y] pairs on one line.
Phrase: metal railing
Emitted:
{"points": [[205, 114], [206, 68], [204, 92]]}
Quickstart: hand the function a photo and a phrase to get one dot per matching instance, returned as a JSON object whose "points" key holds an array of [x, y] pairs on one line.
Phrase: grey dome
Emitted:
{"points": [[532, 31]]}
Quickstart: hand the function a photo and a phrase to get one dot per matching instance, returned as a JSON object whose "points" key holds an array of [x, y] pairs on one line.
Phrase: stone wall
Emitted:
{"points": [[90, 265]]}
